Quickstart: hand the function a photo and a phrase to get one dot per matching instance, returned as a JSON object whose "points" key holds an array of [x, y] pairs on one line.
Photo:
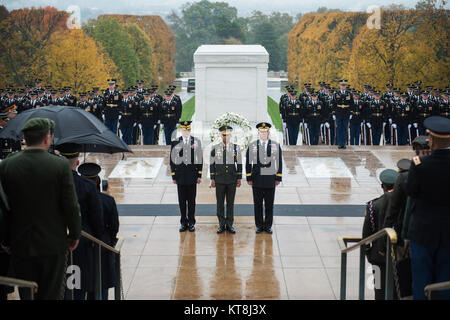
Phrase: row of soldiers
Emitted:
{"points": [[137, 111], [347, 116]]}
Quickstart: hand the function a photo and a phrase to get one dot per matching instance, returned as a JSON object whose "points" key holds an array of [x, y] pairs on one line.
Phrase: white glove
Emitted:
{"points": [[415, 125], [140, 126], [368, 125], [390, 121], [103, 116], [394, 126], [134, 125], [306, 125], [351, 116], [384, 123], [120, 116], [154, 127], [409, 126], [159, 121], [334, 117], [327, 124]]}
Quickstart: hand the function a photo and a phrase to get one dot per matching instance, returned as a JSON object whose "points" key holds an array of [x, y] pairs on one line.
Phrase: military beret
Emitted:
{"points": [[438, 126], [38, 124], [69, 150], [89, 170], [388, 176], [403, 165]]}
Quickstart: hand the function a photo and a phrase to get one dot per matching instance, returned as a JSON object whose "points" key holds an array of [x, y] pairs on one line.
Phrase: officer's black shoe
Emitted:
{"points": [[183, 228], [344, 147], [231, 230], [259, 230], [191, 228], [221, 229], [268, 230]]}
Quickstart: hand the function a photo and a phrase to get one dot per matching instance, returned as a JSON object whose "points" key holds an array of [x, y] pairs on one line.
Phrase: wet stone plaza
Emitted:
{"points": [[321, 198]]}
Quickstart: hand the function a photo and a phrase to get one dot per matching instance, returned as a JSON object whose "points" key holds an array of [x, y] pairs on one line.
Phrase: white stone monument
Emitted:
{"points": [[231, 78]]}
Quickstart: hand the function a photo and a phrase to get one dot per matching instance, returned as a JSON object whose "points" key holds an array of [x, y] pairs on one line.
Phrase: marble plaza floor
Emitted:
{"points": [[300, 260]]}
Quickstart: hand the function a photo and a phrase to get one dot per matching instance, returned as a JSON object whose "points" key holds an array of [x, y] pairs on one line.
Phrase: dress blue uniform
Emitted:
{"points": [[429, 224], [111, 103], [343, 99]]}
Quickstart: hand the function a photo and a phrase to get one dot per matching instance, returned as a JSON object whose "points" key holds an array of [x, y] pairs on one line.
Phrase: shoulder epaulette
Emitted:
{"points": [[417, 161]]}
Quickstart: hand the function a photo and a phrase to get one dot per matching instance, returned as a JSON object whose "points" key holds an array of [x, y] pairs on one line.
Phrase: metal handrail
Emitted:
{"points": [[98, 266], [431, 290], [13, 282], [391, 238]]}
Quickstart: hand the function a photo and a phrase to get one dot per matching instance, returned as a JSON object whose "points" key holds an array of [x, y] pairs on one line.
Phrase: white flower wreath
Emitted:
{"points": [[242, 135]]}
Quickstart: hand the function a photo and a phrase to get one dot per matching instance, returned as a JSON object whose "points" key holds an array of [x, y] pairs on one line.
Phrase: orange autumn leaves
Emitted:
{"points": [[36, 43], [411, 45]]}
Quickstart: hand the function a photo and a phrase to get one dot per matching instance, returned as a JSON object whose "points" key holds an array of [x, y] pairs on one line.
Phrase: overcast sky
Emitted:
{"points": [[91, 8]]}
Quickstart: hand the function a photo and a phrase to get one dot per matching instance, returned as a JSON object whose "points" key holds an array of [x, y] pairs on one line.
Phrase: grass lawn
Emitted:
{"points": [[274, 112], [188, 109]]}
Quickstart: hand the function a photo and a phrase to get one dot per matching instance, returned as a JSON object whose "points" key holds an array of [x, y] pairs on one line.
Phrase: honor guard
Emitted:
{"points": [[127, 111], [376, 118], [69, 99], [226, 174], [356, 118], [264, 166], [186, 162], [148, 116], [170, 115], [32, 103], [82, 104], [159, 99], [293, 115], [343, 99], [54, 100], [314, 116], [402, 116], [111, 99], [444, 105], [424, 109], [94, 106]]}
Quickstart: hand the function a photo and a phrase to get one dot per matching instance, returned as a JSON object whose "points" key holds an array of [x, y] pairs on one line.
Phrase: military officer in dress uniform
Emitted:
{"points": [[54, 100], [356, 119], [69, 99], [374, 222], [402, 115], [429, 225], [293, 115], [91, 221], [264, 166], [186, 162], [314, 115], [82, 104], [159, 99], [424, 109], [148, 116], [127, 117], [111, 99], [444, 105], [32, 103], [90, 171], [94, 106], [376, 118], [343, 99], [226, 174], [170, 115]]}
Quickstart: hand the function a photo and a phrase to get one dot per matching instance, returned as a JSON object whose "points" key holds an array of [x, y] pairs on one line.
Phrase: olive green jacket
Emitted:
{"points": [[43, 203]]}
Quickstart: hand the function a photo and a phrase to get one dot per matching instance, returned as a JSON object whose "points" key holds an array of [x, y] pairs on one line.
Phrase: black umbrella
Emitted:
{"points": [[73, 125]]}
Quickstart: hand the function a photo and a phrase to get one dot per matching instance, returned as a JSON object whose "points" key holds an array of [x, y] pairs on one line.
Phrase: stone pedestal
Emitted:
{"points": [[231, 78]]}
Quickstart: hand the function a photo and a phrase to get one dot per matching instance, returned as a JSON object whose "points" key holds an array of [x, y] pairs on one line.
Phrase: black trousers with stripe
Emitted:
{"points": [[186, 201], [266, 195]]}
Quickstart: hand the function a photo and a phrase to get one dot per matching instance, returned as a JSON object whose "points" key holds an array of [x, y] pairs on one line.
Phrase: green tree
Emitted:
{"points": [[265, 35], [143, 50], [118, 43]]}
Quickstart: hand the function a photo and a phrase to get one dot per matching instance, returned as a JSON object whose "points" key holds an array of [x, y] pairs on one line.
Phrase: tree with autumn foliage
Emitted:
{"points": [[73, 59], [117, 42], [24, 37]]}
